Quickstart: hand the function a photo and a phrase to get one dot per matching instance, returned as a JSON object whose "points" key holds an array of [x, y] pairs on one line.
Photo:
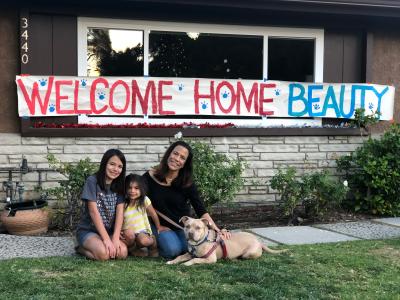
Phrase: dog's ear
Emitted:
{"points": [[205, 221], [184, 219]]}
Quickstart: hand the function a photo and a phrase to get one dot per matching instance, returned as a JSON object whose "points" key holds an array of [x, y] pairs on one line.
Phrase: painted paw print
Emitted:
{"points": [[370, 105], [204, 105], [225, 95], [83, 82], [42, 82], [316, 106], [101, 95], [277, 92], [180, 87], [52, 108]]}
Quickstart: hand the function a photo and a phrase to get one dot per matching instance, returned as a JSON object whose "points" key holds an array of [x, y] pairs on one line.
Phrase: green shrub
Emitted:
{"points": [[68, 193], [316, 192], [364, 121], [373, 172], [290, 190], [322, 193], [217, 176]]}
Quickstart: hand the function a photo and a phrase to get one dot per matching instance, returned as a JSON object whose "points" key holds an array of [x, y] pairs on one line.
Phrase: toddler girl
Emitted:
{"points": [[136, 228]]}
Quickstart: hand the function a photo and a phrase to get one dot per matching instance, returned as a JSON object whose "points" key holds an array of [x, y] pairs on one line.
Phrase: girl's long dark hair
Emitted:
{"points": [[132, 178], [185, 176], [117, 185]]}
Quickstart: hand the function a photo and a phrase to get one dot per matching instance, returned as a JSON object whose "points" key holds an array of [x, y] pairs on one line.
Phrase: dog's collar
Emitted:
{"points": [[217, 241], [202, 241]]}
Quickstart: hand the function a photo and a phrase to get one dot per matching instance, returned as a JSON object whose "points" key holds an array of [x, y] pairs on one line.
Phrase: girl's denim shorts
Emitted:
{"points": [[83, 234]]}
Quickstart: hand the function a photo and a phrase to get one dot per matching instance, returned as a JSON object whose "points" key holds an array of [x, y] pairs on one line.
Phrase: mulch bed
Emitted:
{"points": [[253, 216]]}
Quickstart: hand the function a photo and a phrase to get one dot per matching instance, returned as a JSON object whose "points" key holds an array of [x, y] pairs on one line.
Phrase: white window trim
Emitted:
{"points": [[148, 26]]}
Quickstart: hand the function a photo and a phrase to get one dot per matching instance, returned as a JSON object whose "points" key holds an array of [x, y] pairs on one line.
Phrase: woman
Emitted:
{"points": [[171, 189], [98, 232]]}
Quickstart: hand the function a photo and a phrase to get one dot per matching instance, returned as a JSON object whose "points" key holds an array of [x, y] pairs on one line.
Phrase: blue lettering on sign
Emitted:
{"points": [[352, 102], [331, 102], [330, 99], [380, 95], [298, 97], [312, 100]]}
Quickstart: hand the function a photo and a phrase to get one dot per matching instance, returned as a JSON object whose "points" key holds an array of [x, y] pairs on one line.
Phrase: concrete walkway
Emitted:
{"points": [[385, 228], [12, 246]]}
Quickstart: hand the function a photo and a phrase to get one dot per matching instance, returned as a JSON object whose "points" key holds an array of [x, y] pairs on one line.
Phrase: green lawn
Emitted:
{"points": [[352, 270]]}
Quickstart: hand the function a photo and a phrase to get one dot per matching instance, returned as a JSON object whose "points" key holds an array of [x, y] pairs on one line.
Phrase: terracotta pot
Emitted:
{"points": [[25, 218]]}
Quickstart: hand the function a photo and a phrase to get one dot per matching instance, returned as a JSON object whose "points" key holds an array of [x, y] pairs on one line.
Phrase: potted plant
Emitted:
{"points": [[26, 218], [21, 217]]}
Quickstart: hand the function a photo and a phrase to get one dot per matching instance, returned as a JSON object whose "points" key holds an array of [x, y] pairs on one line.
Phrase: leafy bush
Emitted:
{"points": [[316, 193], [363, 120], [290, 189], [68, 194], [217, 176], [323, 193], [373, 172]]}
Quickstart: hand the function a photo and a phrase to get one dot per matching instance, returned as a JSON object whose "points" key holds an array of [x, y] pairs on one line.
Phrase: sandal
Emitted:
{"points": [[153, 250], [139, 252]]}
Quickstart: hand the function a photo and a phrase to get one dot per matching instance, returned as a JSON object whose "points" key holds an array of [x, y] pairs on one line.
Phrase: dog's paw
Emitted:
{"points": [[188, 263], [170, 262]]}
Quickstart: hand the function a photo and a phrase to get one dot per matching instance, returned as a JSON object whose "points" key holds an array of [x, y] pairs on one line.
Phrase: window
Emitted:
{"points": [[114, 52], [291, 59], [111, 47], [205, 55]]}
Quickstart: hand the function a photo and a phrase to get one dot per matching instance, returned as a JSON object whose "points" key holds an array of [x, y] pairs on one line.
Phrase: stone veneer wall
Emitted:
{"points": [[264, 156]]}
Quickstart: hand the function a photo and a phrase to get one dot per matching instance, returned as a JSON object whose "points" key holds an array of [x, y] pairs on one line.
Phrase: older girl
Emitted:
{"points": [[98, 232]]}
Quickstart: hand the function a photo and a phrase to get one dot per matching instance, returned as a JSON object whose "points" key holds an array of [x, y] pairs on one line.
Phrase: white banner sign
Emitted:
{"points": [[148, 96]]}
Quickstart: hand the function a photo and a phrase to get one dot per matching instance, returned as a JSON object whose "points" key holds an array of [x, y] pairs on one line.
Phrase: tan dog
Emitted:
{"points": [[205, 245]]}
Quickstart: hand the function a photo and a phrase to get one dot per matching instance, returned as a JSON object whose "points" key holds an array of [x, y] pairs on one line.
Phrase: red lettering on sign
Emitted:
{"points": [[127, 97], [93, 95], [59, 97], [144, 101], [253, 97], [76, 101], [198, 96], [263, 100], [35, 96], [226, 96], [161, 97]]}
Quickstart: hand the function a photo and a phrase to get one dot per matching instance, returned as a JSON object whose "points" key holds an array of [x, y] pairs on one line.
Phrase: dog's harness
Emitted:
{"points": [[218, 241]]}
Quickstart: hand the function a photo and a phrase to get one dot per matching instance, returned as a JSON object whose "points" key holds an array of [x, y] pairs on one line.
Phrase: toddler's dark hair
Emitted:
{"points": [[142, 187]]}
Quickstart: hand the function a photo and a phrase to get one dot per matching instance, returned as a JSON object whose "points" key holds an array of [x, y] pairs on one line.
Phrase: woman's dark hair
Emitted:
{"points": [[131, 178], [117, 184], [185, 176]]}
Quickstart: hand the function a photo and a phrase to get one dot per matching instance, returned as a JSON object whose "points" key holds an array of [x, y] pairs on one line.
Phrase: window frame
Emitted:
{"points": [[83, 23], [147, 26]]}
